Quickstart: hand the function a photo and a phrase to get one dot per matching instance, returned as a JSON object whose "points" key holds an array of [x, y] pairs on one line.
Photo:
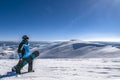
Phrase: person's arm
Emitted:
{"points": [[20, 47]]}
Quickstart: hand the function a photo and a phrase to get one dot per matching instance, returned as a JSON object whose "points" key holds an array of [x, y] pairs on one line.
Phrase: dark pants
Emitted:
{"points": [[22, 63], [30, 66]]}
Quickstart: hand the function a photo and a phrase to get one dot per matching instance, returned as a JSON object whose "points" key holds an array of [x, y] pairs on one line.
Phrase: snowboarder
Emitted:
{"points": [[23, 53]]}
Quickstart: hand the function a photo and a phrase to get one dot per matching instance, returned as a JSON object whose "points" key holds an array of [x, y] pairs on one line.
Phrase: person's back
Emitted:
{"points": [[23, 49]]}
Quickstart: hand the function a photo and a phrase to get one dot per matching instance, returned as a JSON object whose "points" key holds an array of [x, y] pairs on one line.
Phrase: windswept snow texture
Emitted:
{"points": [[65, 69]]}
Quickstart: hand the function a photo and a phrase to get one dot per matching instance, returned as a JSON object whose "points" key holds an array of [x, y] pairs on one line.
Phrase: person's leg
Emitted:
{"points": [[30, 66], [19, 66]]}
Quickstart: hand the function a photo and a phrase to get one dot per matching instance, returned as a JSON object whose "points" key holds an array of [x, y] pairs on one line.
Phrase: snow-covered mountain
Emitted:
{"points": [[66, 49], [80, 49]]}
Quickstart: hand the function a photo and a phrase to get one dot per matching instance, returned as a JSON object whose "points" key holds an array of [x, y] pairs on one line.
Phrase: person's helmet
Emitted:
{"points": [[25, 37]]}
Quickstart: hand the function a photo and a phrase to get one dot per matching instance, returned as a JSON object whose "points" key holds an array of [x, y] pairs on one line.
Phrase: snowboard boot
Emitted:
{"points": [[18, 72], [13, 69], [31, 71]]}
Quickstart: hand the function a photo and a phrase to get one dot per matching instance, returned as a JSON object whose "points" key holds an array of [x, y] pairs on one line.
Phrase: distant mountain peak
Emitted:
{"points": [[78, 41]]}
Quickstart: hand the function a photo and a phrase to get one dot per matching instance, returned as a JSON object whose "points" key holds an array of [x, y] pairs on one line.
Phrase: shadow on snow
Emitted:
{"points": [[10, 74]]}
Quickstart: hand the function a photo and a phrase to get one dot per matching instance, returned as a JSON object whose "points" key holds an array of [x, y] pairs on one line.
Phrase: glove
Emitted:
{"points": [[19, 55]]}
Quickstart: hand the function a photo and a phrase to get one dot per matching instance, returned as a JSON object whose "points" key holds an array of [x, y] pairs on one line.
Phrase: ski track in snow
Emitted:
{"points": [[65, 69]]}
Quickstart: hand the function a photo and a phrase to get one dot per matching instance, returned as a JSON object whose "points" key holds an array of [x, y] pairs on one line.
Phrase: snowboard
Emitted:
{"points": [[25, 61]]}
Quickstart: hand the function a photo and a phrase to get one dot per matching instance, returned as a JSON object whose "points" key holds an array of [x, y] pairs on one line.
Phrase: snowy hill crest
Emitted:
{"points": [[66, 49]]}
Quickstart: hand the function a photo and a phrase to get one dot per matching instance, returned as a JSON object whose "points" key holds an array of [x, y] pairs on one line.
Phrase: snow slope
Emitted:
{"points": [[80, 49], [65, 69], [66, 49]]}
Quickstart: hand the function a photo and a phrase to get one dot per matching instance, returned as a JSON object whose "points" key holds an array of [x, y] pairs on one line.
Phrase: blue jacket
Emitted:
{"points": [[23, 49]]}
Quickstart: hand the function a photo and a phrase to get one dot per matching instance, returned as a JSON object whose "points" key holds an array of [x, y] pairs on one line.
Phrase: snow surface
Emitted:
{"points": [[65, 69]]}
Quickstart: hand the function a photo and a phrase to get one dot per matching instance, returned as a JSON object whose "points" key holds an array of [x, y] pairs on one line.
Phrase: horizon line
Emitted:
{"points": [[62, 40]]}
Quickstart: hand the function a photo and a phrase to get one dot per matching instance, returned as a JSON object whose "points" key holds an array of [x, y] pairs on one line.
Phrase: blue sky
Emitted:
{"points": [[60, 19]]}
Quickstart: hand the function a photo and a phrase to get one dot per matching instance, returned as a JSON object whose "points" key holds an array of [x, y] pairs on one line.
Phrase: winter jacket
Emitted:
{"points": [[23, 49]]}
